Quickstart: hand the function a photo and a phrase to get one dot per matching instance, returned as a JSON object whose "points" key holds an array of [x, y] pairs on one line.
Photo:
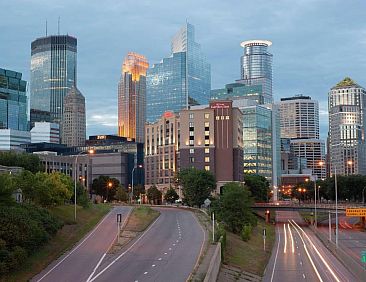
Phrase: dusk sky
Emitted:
{"points": [[315, 43]]}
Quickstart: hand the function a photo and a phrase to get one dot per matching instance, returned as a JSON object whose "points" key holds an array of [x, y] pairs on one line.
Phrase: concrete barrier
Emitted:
{"points": [[214, 267], [342, 256]]}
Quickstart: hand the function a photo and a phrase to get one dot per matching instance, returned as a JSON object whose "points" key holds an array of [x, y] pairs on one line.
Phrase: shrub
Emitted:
{"points": [[246, 232]]}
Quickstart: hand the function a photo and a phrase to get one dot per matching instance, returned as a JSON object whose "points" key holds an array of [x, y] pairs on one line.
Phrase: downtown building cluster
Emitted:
{"points": [[169, 118]]}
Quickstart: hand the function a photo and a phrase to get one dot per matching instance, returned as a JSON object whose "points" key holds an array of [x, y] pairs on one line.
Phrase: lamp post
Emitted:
{"points": [[75, 177], [109, 186], [133, 170]]}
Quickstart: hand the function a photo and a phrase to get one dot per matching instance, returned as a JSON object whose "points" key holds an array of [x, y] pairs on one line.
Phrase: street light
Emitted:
{"points": [[138, 166], [109, 186], [91, 151]]}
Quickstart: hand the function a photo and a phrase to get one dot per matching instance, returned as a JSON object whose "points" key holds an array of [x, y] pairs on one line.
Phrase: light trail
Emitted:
{"points": [[307, 253], [285, 246], [316, 250], [292, 239]]}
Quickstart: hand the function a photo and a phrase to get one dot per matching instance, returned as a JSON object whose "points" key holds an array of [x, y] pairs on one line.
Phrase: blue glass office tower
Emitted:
{"points": [[13, 101], [256, 67], [53, 73], [180, 80]]}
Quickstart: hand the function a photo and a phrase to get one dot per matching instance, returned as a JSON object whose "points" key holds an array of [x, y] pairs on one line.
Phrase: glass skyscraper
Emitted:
{"points": [[13, 101], [180, 80], [132, 97], [53, 73], [256, 67]]}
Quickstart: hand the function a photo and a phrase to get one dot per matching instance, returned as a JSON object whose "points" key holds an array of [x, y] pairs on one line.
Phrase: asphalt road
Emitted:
{"points": [[299, 256], [167, 251], [79, 263]]}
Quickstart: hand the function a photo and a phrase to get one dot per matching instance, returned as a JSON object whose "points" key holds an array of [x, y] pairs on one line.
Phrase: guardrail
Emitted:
{"points": [[214, 267]]}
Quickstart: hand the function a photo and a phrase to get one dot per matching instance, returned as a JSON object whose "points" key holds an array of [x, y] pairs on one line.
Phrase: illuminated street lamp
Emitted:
{"points": [[109, 186], [91, 151]]}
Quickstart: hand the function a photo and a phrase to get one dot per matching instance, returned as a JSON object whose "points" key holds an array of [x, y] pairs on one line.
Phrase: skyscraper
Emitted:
{"points": [[73, 122], [53, 73], [132, 97], [256, 67], [299, 120], [347, 116], [182, 79]]}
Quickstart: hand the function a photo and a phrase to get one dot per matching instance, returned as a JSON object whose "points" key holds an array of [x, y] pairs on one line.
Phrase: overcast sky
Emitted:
{"points": [[316, 43]]}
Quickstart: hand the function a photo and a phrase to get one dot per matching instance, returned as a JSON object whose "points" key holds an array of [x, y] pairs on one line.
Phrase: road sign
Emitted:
{"points": [[119, 217], [363, 256], [264, 232], [207, 202], [356, 212]]}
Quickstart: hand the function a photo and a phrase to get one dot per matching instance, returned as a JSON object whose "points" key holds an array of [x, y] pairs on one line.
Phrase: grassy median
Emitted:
{"points": [[141, 217], [250, 256], [64, 240]]}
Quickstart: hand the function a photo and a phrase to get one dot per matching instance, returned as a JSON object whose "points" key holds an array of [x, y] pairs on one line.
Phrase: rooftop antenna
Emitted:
{"points": [[58, 26], [46, 28]]}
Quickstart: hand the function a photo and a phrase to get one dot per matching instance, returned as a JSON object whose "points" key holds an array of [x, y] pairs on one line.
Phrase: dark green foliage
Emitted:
{"points": [[121, 194], [171, 196], [246, 232], [221, 235], [154, 195], [197, 185], [258, 186], [29, 162], [7, 186], [82, 197], [23, 229], [100, 187], [233, 207], [137, 191]]}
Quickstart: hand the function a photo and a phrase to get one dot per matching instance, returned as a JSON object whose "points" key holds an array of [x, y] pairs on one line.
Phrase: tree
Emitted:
{"points": [[154, 195], [82, 197], [121, 194], [137, 191], [197, 185], [7, 188], [105, 187], [258, 186], [234, 207], [171, 196], [29, 162]]}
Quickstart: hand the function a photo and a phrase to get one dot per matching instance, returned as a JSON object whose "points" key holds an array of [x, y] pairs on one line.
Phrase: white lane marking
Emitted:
{"points": [[125, 252], [285, 247], [177, 241], [303, 275], [278, 247], [173, 244], [165, 253], [316, 250], [307, 253], [300, 262], [153, 265], [145, 272], [292, 239], [170, 249], [77, 247], [101, 259], [159, 258]]}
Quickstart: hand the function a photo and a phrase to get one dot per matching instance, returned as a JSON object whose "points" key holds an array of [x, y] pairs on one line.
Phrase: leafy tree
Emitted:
{"points": [[258, 186], [171, 196], [29, 162], [25, 181], [7, 187], [234, 207], [154, 195], [197, 185], [82, 197], [121, 194], [137, 191], [101, 187]]}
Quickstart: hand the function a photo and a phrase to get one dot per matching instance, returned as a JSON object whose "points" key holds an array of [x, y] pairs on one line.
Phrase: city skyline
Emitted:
{"points": [[305, 61]]}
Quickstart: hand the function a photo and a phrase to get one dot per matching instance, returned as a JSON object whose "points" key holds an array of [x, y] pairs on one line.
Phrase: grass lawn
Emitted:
{"points": [[141, 217], [320, 216], [250, 256], [64, 240]]}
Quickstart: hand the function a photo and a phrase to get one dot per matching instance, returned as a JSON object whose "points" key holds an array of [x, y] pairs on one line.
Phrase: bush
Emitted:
{"points": [[23, 229], [246, 232]]}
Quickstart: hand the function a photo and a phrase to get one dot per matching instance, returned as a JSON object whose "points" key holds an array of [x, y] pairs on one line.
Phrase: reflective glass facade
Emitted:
{"points": [[180, 80], [239, 90], [13, 101], [53, 73], [256, 67]]}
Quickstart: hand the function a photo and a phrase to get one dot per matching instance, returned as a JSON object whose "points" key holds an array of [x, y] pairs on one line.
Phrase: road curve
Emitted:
{"points": [[167, 251], [79, 263]]}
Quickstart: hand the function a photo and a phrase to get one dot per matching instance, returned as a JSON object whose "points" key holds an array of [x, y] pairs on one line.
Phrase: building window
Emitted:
{"points": [[207, 115], [191, 124], [191, 159], [207, 124], [217, 117], [191, 151], [207, 133], [222, 117], [227, 117], [191, 116], [207, 150], [191, 133], [207, 142], [207, 167], [191, 142], [207, 159]]}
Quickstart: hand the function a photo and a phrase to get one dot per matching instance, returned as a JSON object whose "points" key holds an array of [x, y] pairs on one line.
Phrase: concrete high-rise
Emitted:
{"points": [[256, 67], [180, 80], [53, 73], [74, 122], [132, 97], [347, 116]]}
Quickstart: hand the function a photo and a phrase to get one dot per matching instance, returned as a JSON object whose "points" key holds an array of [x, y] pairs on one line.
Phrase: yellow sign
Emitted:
{"points": [[356, 212]]}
